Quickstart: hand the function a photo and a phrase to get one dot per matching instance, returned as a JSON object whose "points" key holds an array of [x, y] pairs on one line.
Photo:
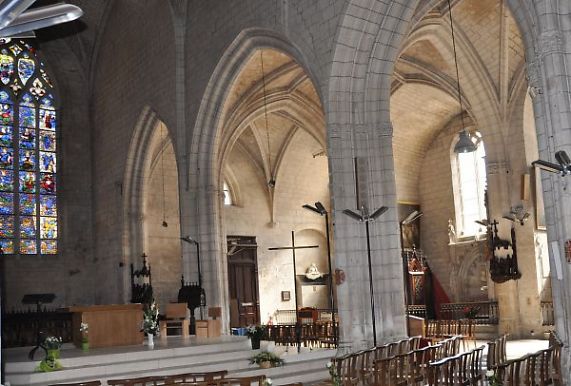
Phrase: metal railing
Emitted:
{"points": [[20, 328], [487, 311], [416, 310]]}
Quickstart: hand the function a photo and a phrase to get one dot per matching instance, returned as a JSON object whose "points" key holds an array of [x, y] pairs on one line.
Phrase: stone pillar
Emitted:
{"points": [[377, 188]]}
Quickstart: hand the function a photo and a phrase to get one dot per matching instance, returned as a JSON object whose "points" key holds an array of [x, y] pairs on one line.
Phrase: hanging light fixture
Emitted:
{"points": [[162, 150], [272, 180], [465, 143]]}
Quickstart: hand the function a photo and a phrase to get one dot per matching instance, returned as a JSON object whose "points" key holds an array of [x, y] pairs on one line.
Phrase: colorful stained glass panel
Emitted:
{"points": [[6, 203], [27, 138], [6, 180], [27, 227], [48, 247], [6, 136], [6, 113], [5, 97], [47, 183], [26, 67], [28, 204], [47, 140], [28, 161], [6, 158], [6, 68], [47, 162], [28, 247], [15, 49], [47, 102], [48, 227], [6, 227], [27, 116], [7, 246], [47, 119], [28, 182], [48, 206]]}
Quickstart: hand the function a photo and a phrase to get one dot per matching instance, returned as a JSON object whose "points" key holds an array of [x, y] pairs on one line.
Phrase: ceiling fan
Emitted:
{"points": [[17, 21]]}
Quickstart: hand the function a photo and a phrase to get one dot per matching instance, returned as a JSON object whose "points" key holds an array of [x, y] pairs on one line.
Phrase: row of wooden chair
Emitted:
{"points": [[319, 334], [384, 365], [460, 369], [497, 352], [213, 376], [530, 370], [410, 368], [541, 368], [436, 330]]}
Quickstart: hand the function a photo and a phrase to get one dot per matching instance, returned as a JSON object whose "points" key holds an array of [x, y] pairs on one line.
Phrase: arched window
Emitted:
{"points": [[28, 122], [227, 194], [469, 188]]}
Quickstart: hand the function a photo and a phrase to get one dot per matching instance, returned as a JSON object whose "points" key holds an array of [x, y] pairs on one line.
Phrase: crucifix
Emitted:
{"points": [[293, 248]]}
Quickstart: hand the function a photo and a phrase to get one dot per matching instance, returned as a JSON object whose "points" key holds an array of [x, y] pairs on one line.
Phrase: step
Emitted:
{"points": [[133, 361]]}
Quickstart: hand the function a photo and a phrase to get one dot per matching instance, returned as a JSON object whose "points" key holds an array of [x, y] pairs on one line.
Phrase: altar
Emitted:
{"points": [[109, 325]]}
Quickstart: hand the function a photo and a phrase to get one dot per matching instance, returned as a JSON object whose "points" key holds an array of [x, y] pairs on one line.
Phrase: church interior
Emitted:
{"points": [[368, 166]]}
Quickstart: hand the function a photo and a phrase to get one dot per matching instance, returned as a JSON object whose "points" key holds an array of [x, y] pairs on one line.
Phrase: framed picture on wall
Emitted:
{"points": [[538, 200], [285, 296]]}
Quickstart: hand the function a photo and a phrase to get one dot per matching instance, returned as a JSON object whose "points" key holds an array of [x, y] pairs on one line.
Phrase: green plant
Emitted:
{"points": [[470, 312], [84, 329], [266, 356], [151, 319], [256, 332], [493, 379], [52, 342], [335, 379]]}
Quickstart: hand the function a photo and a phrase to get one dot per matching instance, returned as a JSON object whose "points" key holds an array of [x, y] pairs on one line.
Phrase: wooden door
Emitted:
{"points": [[243, 281]]}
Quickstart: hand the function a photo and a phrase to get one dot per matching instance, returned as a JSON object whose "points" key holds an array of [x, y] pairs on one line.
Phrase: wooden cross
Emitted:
{"points": [[293, 248]]}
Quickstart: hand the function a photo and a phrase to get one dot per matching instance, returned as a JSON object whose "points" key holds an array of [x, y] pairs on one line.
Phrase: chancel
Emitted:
{"points": [[156, 155]]}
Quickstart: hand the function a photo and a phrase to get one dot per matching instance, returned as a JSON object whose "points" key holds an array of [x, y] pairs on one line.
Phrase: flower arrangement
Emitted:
{"points": [[266, 356], [52, 342], [84, 329], [493, 379], [151, 319], [470, 312], [335, 379], [268, 382], [52, 345], [256, 332]]}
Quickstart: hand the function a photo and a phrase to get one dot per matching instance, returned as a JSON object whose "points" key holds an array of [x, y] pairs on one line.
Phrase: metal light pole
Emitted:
{"points": [[366, 218], [320, 209]]}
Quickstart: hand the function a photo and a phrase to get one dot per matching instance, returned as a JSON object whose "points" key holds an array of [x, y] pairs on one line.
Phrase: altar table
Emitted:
{"points": [[109, 325]]}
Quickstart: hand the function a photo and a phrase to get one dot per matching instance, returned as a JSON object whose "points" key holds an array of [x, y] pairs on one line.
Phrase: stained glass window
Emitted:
{"points": [[28, 158]]}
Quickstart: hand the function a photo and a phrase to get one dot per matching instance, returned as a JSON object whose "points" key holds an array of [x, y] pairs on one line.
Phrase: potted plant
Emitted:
{"points": [[84, 329], [266, 359], [470, 312], [151, 322], [52, 345], [256, 333]]}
